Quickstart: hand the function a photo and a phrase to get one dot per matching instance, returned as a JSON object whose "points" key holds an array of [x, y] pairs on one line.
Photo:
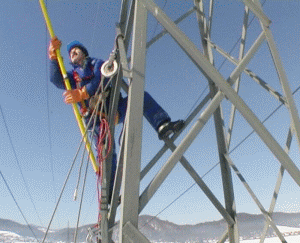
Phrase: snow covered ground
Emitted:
{"points": [[289, 239], [9, 234], [286, 229], [291, 234]]}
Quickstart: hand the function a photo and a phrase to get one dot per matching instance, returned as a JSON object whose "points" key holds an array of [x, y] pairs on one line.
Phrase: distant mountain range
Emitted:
{"points": [[156, 230]]}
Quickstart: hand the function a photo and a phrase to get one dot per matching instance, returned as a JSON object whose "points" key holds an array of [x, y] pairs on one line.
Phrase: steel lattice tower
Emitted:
{"points": [[132, 30]]}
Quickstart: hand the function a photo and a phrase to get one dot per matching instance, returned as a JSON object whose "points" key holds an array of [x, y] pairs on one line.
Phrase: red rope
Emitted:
{"points": [[99, 194], [104, 137], [103, 134]]}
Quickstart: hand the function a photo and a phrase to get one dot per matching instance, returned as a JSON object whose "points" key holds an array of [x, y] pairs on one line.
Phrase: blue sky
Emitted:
{"points": [[44, 132]]}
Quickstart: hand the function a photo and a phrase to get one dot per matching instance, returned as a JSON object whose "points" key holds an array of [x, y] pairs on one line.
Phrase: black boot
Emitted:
{"points": [[166, 129]]}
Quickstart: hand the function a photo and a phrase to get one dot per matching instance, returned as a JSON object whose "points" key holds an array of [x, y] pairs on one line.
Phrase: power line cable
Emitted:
{"points": [[81, 200], [19, 166], [48, 118], [238, 40], [271, 114], [200, 96], [189, 188], [93, 34], [18, 206], [62, 190]]}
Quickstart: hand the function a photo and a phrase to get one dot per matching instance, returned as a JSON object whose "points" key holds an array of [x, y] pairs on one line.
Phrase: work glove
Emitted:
{"points": [[75, 95], [53, 46]]}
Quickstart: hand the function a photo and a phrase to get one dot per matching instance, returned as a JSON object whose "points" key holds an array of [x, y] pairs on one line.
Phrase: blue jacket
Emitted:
{"points": [[90, 75]]}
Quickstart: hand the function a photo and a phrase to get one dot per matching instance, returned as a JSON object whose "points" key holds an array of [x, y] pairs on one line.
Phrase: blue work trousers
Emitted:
{"points": [[153, 112]]}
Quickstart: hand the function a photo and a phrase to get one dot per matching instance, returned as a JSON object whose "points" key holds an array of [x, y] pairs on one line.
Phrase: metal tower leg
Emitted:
{"points": [[133, 132]]}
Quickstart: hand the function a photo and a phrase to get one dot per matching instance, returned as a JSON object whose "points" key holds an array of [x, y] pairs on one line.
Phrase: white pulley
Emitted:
{"points": [[109, 70]]}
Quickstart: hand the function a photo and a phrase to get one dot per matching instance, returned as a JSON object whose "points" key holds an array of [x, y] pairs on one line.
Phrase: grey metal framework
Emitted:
{"points": [[132, 31]]}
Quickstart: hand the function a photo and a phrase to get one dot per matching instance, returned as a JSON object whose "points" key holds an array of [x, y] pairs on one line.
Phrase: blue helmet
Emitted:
{"points": [[76, 43]]}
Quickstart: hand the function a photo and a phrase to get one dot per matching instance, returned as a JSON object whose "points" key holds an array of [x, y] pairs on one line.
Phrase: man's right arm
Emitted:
{"points": [[55, 75]]}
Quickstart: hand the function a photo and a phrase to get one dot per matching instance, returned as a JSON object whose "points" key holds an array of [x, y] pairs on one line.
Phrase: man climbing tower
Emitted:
{"points": [[85, 78]]}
